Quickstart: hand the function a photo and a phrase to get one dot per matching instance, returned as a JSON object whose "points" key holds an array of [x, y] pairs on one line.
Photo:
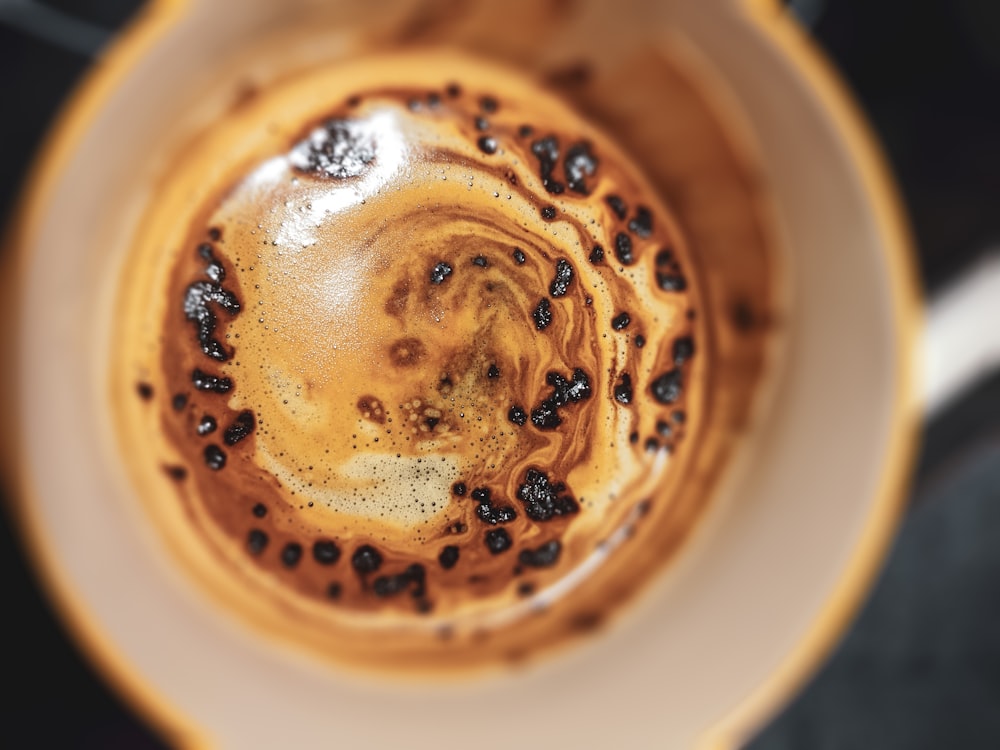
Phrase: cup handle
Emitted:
{"points": [[960, 348], [962, 334]]}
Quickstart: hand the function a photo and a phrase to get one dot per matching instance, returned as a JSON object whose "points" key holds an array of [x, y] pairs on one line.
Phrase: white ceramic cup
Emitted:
{"points": [[754, 601]]}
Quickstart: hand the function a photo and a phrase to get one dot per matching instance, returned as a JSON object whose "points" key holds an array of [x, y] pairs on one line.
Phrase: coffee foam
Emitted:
{"points": [[440, 317]]}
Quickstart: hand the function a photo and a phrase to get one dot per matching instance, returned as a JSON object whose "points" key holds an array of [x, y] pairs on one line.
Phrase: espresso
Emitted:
{"points": [[418, 351]]}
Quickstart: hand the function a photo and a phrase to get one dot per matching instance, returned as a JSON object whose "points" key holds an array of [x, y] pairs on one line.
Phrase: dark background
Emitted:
{"points": [[921, 667]]}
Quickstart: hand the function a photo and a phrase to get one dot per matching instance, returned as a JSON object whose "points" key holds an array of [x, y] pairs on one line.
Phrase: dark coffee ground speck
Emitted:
{"points": [[489, 513], [207, 425], [546, 415], [667, 387], [623, 391], [440, 272], [487, 144], [544, 556], [519, 256], [617, 205], [448, 557], [241, 427], [203, 381], [743, 316], [563, 278], [641, 225], [179, 401], [291, 554], [177, 473], [339, 149], [670, 282], [326, 552], [620, 322], [623, 249], [542, 314], [546, 150], [385, 586], [215, 458], [580, 163], [256, 541], [597, 255], [366, 559], [497, 541], [543, 499], [683, 350], [200, 300], [517, 415]]}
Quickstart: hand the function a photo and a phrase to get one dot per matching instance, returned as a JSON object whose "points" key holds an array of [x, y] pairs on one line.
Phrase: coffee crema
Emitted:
{"points": [[414, 350]]}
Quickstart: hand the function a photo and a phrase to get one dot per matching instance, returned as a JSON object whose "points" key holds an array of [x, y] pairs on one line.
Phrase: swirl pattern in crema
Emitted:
{"points": [[417, 349]]}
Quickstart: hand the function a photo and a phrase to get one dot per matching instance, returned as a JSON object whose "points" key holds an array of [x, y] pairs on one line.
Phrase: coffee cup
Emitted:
{"points": [[798, 509]]}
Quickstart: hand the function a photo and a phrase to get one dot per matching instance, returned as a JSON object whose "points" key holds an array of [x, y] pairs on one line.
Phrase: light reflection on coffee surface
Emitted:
{"points": [[419, 351]]}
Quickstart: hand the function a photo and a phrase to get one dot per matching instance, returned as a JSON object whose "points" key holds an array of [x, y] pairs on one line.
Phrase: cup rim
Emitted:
{"points": [[885, 509], [907, 312]]}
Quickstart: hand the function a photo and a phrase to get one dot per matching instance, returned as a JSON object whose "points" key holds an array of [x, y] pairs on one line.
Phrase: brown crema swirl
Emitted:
{"points": [[420, 357]]}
